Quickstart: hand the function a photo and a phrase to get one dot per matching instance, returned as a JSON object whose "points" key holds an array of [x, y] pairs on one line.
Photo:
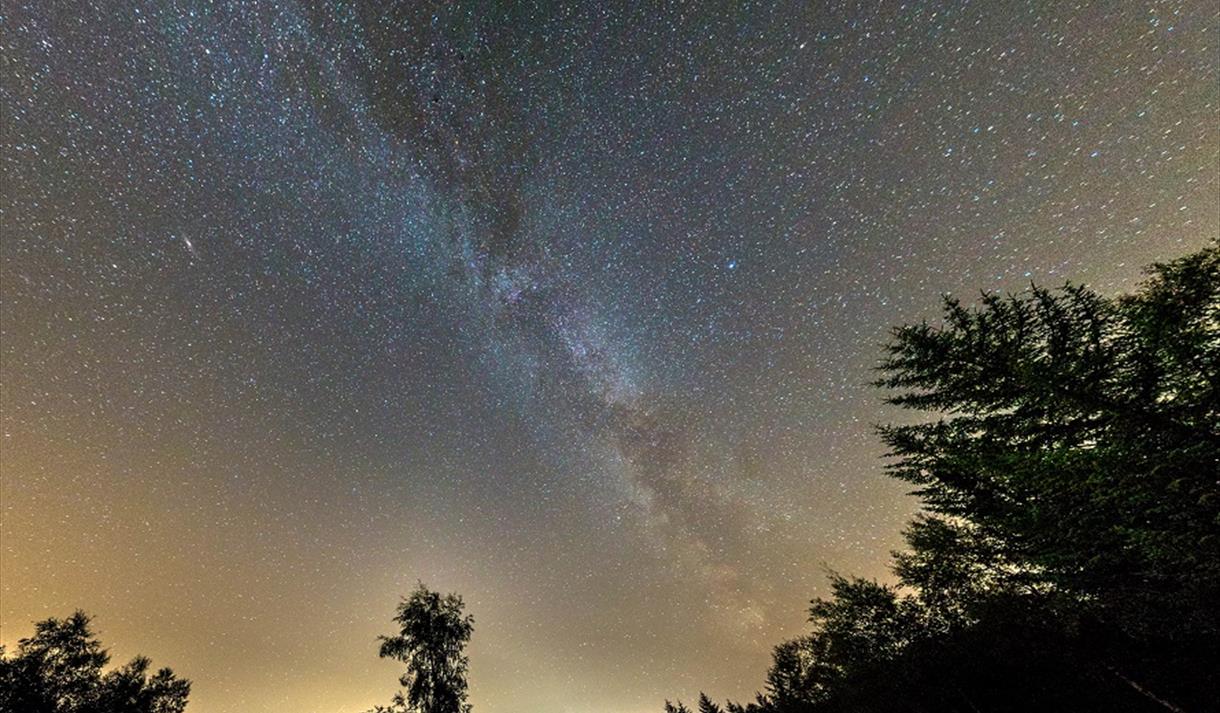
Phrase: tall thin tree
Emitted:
{"points": [[431, 641]]}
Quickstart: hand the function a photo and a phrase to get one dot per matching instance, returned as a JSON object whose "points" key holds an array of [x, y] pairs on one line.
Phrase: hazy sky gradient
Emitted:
{"points": [[570, 310]]}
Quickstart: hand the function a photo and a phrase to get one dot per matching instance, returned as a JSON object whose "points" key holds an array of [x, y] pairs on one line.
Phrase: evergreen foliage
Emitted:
{"points": [[1067, 455]]}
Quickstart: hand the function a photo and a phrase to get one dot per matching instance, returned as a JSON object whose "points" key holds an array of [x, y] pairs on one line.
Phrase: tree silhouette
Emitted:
{"points": [[431, 641], [60, 670], [1083, 436], [1066, 456], [707, 706]]}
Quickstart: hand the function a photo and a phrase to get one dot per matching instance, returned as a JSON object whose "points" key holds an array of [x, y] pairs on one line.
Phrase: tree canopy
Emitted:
{"points": [[60, 669], [1066, 451], [432, 638]]}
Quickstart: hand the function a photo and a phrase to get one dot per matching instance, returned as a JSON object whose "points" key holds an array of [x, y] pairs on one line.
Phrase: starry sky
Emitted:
{"points": [[568, 308]]}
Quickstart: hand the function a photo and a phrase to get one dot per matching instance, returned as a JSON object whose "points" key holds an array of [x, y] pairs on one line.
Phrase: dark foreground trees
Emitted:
{"points": [[60, 670], [431, 641], [1067, 456], [1066, 450]]}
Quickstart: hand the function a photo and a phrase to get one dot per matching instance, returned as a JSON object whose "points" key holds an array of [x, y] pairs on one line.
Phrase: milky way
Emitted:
{"points": [[569, 309]]}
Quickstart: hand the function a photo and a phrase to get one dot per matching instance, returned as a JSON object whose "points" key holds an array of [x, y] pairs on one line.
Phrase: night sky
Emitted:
{"points": [[571, 310]]}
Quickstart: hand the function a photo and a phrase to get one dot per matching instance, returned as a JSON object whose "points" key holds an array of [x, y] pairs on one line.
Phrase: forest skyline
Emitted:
{"points": [[1064, 554]]}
